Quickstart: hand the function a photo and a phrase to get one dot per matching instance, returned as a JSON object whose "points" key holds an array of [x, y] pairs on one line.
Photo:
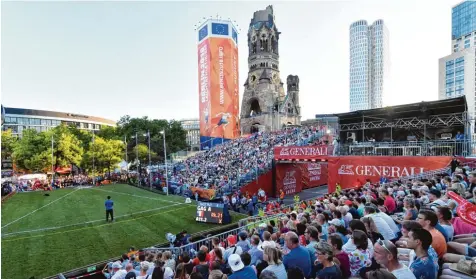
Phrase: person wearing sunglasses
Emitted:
{"points": [[386, 254]]}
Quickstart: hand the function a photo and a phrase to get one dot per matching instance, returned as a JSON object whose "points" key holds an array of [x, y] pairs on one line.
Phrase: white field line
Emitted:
{"points": [[14, 221], [88, 222], [137, 196]]}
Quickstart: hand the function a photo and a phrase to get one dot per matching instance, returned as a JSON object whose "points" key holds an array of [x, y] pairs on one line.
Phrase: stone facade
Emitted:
{"points": [[265, 106]]}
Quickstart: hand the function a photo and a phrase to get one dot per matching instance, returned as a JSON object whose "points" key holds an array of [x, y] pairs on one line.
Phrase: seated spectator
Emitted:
{"points": [[244, 243], [428, 220], [423, 265], [444, 218], [380, 274], [336, 242], [232, 248], [240, 271], [217, 271], [273, 257], [371, 228], [255, 251], [326, 268], [360, 257], [202, 267], [298, 256], [203, 248], [385, 253]]}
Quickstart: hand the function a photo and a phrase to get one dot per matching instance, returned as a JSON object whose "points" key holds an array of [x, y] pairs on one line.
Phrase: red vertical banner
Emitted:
{"points": [[236, 94], [223, 87], [288, 179], [204, 87]]}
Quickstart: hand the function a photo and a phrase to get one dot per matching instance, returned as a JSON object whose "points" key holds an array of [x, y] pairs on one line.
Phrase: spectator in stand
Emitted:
{"points": [[386, 254], [435, 200], [273, 257], [298, 256], [244, 243], [181, 272], [380, 274], [312, 236], [240, 271], [321, 220], [336, 242], [216, 271], [255, 251], [117, 272], [371, 229], [185, 259], [218, 259], [444, 219], [168, 260], [423, 266], [215, 244], [268, 275], [428, 220], [326, 268], [232, 248], [203, 248], [295, 273], [360, 257], [267, 242], [202, 267], [144, 270], [380, 223]]}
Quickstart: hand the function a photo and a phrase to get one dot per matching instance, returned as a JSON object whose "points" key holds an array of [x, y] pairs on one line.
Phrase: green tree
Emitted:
{"points": [[33, 151], [8, 143], [110, 133], [84, 136], [106, 153], [67, 147], [175, 135]]}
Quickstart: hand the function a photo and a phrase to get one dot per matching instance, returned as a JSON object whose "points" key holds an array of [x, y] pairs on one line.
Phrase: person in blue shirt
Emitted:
{"points": [[298, 256], [109, 204], [423, 266], [240, 271]]}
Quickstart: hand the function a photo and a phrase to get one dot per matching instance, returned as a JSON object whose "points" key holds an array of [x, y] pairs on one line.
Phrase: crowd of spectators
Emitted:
{"points": [[227, 166], [388, 230]]}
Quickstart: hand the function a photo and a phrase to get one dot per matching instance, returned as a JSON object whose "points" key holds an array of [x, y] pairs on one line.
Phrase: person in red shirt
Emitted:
{"points": [[336, 242], [389, 202], [196, 261]]}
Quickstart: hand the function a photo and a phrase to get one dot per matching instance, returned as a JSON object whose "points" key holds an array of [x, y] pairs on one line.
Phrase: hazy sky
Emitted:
{"points": [[109, 59]]}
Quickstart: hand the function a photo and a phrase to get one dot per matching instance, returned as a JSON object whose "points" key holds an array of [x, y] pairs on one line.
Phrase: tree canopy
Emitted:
{"points": [[33, 151]]}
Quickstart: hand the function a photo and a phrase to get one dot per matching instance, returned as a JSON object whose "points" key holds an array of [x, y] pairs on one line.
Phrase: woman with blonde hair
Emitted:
{"points": [[273, 257]]}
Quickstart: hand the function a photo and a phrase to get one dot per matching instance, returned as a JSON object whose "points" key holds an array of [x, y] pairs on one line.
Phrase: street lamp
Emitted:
{"points": [[165, 160], [137, 159]]}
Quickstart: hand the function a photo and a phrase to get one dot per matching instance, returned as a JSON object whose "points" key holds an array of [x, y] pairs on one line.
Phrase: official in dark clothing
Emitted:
{"points": [[109, 204]]}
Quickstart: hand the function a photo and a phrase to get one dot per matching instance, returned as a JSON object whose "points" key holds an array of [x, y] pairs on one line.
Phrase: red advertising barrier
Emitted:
{"points": [[352, 171], [313, 174], [312, 152], [288, 178], [265, 182]]}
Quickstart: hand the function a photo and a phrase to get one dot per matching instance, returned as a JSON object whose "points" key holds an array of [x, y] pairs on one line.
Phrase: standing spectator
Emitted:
{"points": [[336, 242], [428, 221], [326, 268], [216, 271], [298, 255], [117, 272], [240, 271], [273, 257], [423, 266], [385, 254]]}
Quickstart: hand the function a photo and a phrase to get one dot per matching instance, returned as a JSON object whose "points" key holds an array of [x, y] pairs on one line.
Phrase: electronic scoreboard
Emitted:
{"points": [[215, 213]]}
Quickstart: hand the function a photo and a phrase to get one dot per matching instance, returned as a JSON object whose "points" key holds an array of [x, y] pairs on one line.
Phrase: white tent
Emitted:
{"points": [[40, 176]]}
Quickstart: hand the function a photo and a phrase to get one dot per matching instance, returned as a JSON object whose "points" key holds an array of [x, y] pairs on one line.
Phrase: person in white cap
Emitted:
{"points": [[118, 273], [240, 271]]}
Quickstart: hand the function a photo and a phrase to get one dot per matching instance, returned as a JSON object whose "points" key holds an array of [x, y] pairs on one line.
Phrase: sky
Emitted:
{"points": [[109, 59]]}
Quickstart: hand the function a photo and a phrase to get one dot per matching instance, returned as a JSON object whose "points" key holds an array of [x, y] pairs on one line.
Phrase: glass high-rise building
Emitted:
{"points": [[369, 64], [457, 71]]}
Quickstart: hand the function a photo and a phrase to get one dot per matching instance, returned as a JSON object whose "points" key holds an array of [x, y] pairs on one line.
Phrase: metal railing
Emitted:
{"points": [[193, 247], [409, 148]]}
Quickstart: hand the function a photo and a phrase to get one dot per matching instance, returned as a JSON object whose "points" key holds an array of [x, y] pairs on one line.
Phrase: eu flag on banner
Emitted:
{"points": [[203, 32], [219, 29], [234, 35]]}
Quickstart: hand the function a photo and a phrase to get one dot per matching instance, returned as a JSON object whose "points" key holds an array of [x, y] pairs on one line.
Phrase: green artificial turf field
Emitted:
{"points": [[43, 236]]}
